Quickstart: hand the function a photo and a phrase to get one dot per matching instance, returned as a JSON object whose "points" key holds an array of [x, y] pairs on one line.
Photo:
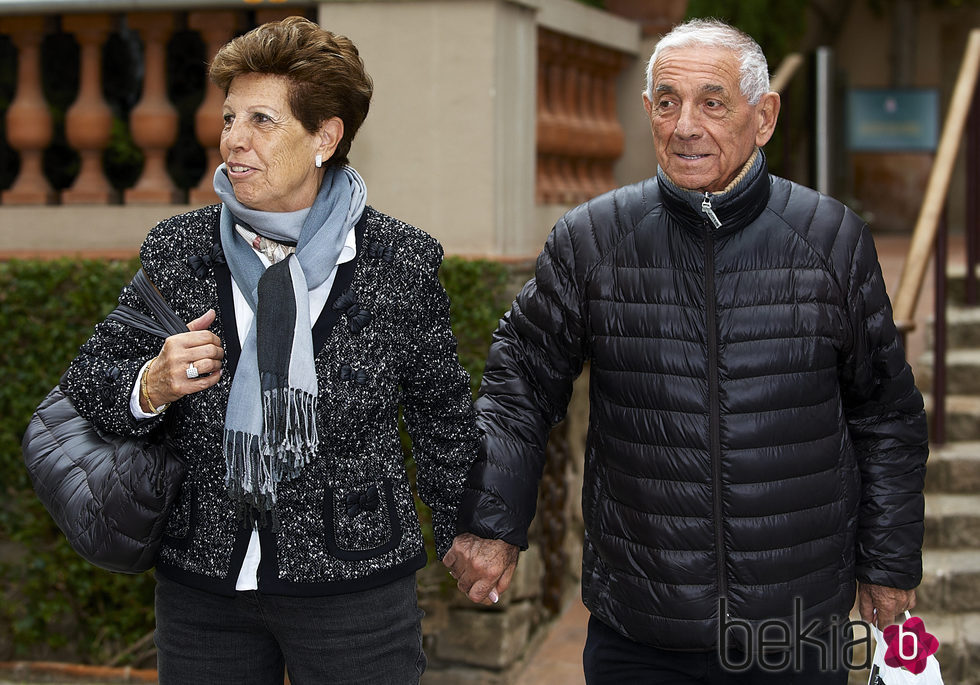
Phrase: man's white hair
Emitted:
{"points": [[712, 33]]}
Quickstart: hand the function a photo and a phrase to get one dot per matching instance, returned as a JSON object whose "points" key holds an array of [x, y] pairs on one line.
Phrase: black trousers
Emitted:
{"points": [[612, 659], [372, 637]]}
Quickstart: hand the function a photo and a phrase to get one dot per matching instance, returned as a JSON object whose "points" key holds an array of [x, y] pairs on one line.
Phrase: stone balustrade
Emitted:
{"points": [[579, 137], [88, 123]]}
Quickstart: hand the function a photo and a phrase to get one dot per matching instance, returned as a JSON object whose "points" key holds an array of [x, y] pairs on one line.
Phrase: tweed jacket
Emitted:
{"points": [[382, 341]]}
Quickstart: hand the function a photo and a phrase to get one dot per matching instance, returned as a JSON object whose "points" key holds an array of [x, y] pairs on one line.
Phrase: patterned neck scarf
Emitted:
{"points": [[270, 423]]}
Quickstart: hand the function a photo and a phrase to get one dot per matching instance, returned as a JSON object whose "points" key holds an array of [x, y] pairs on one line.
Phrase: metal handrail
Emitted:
{"points": [[931, 227], [786, 71], [926, 227]]}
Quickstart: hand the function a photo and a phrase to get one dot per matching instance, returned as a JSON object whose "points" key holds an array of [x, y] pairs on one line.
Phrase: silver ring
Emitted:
{"points": [[192, 371]]}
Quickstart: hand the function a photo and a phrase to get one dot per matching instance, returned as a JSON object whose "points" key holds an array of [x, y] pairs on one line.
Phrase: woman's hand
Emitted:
{"points": [[167, 379]]}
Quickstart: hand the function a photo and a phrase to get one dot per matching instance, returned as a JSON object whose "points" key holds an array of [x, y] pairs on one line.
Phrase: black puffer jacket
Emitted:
{"points": [[754, 432]]}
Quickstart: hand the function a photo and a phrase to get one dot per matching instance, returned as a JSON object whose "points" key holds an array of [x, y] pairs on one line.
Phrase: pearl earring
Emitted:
{"points": [[319, 161]]}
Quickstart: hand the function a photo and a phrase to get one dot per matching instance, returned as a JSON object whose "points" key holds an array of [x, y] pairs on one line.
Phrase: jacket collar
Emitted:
{"points": [[735, 207]]}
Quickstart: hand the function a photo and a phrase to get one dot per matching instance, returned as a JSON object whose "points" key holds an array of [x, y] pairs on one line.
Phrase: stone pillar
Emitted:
{"points": [[461, 90], [449, 142], [216, 28], [153, 120], [88, 123], [28, 118]]}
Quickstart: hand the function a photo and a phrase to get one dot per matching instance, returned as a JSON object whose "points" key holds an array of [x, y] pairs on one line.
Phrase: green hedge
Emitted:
{"points": [[52, 602]]}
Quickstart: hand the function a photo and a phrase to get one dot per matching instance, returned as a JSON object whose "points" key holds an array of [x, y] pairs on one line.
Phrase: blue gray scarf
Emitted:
{"points": [[270, 424]]}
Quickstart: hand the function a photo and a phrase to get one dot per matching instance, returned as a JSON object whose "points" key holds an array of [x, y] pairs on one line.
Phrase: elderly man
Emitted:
{"points": [[756, 443]]}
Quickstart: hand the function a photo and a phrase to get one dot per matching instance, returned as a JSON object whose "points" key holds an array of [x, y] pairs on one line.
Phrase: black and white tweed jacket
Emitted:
{"points": [[382, 342]]}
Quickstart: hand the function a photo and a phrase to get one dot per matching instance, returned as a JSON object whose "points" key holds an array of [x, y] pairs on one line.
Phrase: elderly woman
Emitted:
{"points": [[313, 318]]}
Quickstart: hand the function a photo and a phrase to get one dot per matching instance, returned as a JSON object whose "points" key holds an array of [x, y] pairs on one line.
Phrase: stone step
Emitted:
{"points": [[950, 581], [952, 521], [962, 417], [956, 282], [962, 328], [962, 371], [954, 468]]}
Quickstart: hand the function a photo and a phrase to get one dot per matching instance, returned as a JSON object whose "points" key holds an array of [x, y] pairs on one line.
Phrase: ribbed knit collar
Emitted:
{"points": [[736, 206]]}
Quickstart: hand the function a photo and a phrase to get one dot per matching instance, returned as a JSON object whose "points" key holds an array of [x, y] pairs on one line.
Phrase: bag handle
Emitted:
{"points": [[879, 634], [164, 321]]}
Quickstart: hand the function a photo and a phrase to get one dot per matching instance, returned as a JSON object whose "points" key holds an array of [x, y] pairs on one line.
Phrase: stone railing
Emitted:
{"points": [[523, 125], [579, 137], [153, 121]]}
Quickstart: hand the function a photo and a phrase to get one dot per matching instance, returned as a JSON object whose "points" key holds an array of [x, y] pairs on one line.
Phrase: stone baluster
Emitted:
{"points": [[542, 132], [28, 117], [592, 140], [546, 187], [88, 122], [216, 29], [571, 129], [153, 121], [613, 137]]}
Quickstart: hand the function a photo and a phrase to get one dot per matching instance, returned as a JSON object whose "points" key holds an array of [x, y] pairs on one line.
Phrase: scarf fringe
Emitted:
{"points": [[289, 427], [255, 465]]}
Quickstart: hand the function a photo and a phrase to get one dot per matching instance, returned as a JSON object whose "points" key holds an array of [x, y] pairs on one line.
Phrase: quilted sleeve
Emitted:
{"points": [[537, 352], [887, 424]]}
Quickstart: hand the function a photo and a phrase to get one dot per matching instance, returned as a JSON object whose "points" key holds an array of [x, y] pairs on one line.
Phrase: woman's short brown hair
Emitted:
{"points": [[326, 73]]}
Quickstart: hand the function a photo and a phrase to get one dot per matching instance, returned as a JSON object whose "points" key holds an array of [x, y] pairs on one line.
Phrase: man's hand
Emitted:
{"points": [[882, 606], [482, 568]]}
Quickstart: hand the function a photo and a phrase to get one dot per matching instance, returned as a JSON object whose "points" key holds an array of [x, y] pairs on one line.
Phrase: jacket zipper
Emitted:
{"points": [[714, 411]]}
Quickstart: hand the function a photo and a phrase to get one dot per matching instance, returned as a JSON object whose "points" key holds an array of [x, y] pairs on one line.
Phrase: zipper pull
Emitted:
{"points": [[706, 208]]}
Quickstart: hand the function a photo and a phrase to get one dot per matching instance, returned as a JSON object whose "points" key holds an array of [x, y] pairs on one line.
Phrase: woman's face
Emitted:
{"points": [[270, 156]]}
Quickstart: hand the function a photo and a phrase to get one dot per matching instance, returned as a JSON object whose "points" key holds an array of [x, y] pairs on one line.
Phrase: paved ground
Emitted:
{"points": [[558, 660]]}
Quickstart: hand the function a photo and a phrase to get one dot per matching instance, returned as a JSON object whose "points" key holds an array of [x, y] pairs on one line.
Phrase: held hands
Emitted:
{"points": [[482, 568], [883, 606], [167, 376]]}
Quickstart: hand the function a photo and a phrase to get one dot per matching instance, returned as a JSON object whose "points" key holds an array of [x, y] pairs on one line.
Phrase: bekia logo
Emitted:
{"points": [[773, 645], [909, 645]]}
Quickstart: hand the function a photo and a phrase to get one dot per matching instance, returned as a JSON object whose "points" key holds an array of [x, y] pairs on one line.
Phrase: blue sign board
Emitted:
{"points": [[893, 120]]}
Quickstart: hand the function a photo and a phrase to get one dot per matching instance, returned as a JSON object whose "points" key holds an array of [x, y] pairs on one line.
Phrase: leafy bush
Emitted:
{"points": [[52, 602]]}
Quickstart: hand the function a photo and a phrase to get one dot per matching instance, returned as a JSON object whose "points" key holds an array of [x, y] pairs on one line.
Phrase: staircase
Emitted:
{"points": [[949, 597]]}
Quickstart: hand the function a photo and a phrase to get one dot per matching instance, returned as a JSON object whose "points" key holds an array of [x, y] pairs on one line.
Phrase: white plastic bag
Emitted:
{"points": [[907, 644]]}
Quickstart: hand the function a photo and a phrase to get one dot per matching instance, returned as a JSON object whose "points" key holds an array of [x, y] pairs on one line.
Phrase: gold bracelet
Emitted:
{"points": [[146, 394]]}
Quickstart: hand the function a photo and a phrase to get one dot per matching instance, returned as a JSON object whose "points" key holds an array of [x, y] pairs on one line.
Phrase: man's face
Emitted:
{"points": [[704, 129]]}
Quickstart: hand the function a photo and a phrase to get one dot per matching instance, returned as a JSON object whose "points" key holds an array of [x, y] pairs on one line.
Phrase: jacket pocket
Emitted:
{"points": [[361, 520], [181, 519]]}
